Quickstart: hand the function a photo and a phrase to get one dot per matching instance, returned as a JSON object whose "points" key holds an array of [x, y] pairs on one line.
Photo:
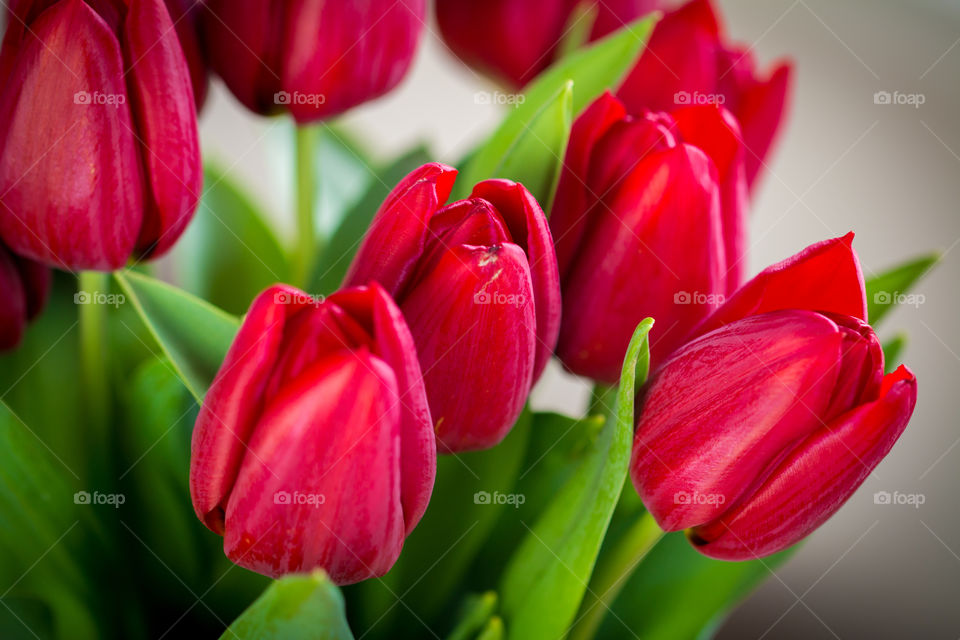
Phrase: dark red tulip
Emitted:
{"points": [[689, 61], [649, 220], [24, 287], [753, 434], [185, 15], [311, 58], [98, 131], [314, 446], [528, 32], [477, 283]]}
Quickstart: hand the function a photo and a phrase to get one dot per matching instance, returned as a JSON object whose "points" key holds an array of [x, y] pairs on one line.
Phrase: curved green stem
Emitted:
{"points": [[612, 572], [307, 242], [93, 348]]}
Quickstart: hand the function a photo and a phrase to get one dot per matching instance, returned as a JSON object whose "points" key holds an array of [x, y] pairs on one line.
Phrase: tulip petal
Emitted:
{"points": [[659, 238], [13, 311], [397, 236], [474, 324], [529, 228], [320, 483], [70, 174], [163, 108], [815, 481], [825, 277], [726, 407]]}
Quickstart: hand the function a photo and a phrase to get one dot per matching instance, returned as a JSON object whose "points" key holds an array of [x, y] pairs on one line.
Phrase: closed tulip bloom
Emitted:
{"points": [[185, 15], [24, 287], [529, 32], [314, 445], [689, 61], [311, 58], [753, 434], [649, 220], [101, 158], [477, 283]]}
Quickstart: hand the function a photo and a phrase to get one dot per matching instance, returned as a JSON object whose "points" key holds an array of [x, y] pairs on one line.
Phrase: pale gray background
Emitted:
{"points": [[891, 173]]}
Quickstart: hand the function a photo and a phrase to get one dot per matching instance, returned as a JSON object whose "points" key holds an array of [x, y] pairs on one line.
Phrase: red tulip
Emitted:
{"points": [[313, 58], [753, 434], [689, 61], [185, 15], [528, 32], [98, 131], [24, 287], [314, 446], [477, 283], [648, 221]]}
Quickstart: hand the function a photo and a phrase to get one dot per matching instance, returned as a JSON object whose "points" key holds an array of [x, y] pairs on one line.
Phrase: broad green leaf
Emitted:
{"points": [[336, 257], [26, 619], [890, 288], [193, 334], [545, 580], [892, 350], [493, 631], [679, 594], [344, 172], [229, 253], [592, 70], [300, 607]]}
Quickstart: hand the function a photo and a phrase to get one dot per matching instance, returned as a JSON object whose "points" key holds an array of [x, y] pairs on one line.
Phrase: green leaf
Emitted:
{"points": [[493, 631], [892, 350], [578, 27], [26, 619], [335, 260], [545, 580], [307, 607], [679, 594], [592, 70], [229, 253], [475, 613], [891, 287], [193, 334]]}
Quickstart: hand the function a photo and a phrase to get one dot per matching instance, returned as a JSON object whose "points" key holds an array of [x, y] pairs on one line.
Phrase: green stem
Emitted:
{"points": [[612, 573], [93, 286], [307, 242]]}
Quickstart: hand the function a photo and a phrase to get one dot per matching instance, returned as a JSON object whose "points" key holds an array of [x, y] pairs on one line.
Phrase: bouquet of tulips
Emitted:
{"points": [[207, 432]]}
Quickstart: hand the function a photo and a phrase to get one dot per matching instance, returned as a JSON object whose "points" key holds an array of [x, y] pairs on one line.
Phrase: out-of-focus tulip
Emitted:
{"points": [[98, 131], [311, 58], [689, 61], [477, 283], [24, 287], [528, 32], [314, 446], [185, 15], [755, 433], [649, 220]]}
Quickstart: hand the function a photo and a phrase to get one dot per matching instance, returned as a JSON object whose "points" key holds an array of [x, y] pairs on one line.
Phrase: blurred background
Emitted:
{"points": [[890, 172]]}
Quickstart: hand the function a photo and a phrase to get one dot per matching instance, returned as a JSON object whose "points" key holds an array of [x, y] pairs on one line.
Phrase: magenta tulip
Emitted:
{"points": [[649, 220], [314, 446], [24, 287], [311, 58], [185, 15], [98, 129], [477, 283], [753, 434]]}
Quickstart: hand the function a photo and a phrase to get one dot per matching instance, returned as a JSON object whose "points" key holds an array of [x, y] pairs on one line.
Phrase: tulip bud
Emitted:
{"points": [[185, 15], [649, 220], [314, 445], [24, 287], [98, 128], [753, 434], [689, 61], [529, 31], [477, 283], [311, 58]]}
